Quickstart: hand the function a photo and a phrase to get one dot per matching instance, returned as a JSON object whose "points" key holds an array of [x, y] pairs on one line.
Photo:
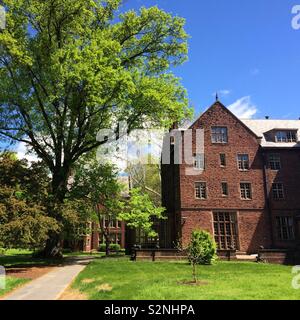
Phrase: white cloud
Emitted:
{"points": [[23, 153], [222, 93], [243, 108]]}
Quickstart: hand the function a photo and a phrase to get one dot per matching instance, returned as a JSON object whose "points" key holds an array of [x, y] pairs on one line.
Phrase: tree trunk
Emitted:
{"points": [[107, 243], [53, 247], [194, 273], [60, 178]]}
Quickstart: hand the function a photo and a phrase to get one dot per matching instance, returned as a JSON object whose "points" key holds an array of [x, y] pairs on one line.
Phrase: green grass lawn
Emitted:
{"points": [[117, 279], [16, 258], [25, 259], [12, 283]]}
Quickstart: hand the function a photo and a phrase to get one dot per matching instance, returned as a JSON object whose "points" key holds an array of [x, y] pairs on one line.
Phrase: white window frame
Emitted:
{"points": [[278, 193], [243, 164], [244, 192], [274, 161], [219, 134], [199, 184], [286, 136]]}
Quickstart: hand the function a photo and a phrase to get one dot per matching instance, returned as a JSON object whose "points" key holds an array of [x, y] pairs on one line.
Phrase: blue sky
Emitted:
{"points": [[244, 49]]}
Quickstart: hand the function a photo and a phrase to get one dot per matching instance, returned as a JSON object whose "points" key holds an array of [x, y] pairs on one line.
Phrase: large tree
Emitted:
{"points": [[69, 68], [24, 220]]}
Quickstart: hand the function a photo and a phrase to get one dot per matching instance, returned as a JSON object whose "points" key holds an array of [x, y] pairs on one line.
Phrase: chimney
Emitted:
{"points": [[267, 117]]}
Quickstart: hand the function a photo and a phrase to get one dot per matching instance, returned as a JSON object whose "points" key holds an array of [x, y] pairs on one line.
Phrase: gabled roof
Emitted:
{"points": [[218, 103], [260, 128]]}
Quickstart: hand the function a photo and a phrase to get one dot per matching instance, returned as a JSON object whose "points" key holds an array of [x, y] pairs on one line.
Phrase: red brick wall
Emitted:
{"points": [[240, 141], [253, 218], [289, 175], [254, 230], [253, 227]]}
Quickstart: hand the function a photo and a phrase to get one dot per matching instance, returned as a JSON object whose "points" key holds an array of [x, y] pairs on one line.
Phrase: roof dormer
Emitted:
{"points": [[285, 136]]}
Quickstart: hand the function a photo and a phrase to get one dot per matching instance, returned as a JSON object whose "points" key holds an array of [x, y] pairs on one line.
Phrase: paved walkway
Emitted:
{"points": [[51, 285]]}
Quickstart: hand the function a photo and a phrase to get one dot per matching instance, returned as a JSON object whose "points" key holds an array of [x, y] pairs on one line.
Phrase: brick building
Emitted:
{"points": [[95, 238], [244, 188], [117, 229]]}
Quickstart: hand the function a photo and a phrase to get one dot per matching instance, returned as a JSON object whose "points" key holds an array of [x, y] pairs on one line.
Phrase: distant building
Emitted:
{"points": [[117, 228], [245, 189]]}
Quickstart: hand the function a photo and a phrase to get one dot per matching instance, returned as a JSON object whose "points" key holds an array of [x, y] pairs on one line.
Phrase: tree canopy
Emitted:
{"points": [[24, 221], [140, 212], [69, 68]]}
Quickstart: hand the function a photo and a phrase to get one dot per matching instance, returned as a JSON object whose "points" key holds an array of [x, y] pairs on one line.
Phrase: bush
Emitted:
{"points": [[112, 247], [102, 247], [115, 247], [202, 248]]}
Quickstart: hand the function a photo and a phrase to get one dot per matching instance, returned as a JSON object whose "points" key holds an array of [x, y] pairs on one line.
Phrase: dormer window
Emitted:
{"points": [[286, 136]]}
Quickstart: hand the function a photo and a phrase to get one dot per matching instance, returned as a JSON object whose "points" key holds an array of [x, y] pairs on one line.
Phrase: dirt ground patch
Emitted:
{"points": [[28, 272], [73, 294], [193, 283]]}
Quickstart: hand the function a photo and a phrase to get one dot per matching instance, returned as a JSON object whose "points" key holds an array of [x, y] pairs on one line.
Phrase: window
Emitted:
{"points": [[199, 161], [111, 223], [285, 228], [277, 191], [223, 160], [114, 223], [225, 230], [200, 190], [243, 162], [246, 193], [219, 135], [115, 238], [274, 162], [141, 238], [286, 136], [224, 189]]}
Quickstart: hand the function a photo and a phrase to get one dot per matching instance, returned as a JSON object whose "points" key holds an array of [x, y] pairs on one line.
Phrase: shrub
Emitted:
{"points": [[201, 250], [112, 247], [102, 247]]}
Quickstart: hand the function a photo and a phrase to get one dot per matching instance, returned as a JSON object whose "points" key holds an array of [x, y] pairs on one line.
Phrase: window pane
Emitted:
{"points": [[199, 161], [277, 191], [224, 189], [286, 136], [274, 162], [223, 159], [200, 190], [246, 191], [285, 228], [243, 161], [219, 135], [225, 230]]}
